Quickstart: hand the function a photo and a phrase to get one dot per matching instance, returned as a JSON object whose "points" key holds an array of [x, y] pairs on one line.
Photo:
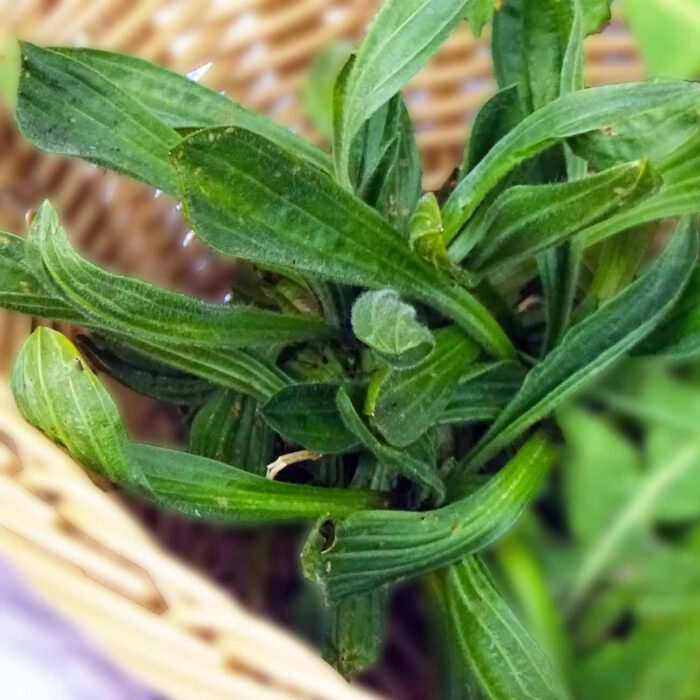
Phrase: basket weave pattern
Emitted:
{"points": [[78, 545]]}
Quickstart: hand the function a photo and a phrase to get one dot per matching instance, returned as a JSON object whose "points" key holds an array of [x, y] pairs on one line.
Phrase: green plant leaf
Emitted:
{"points": [[605, 118], [241, 370], [404, 462], [61, 396], [385, 166], [58, 393], [594, 344], [122, 113], [389, 326], [527, 219], [227, 428], [248, 198], [493, 642], [401, 39], [408, 402], [484, 395], [307, 414], [142, 374], [530, 40], [356, 632], [373, 548], [129, 306]]}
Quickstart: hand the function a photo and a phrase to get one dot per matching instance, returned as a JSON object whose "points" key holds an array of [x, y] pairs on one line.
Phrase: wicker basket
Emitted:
{"points": [[81, 548]]}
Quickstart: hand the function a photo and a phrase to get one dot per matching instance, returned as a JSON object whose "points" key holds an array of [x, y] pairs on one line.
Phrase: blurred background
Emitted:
{"points": [[263, 53]]}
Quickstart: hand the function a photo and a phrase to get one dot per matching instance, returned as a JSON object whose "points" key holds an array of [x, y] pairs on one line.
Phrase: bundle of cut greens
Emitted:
{"points": [[422, 357]]}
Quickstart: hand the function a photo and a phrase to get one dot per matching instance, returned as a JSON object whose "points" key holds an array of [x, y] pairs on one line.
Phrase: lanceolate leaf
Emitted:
{"points": [[493, 643], [385, 169], [400, 41], [129, 306], [307, 414], [605, 116], [595, 343], [526, 219], [390, 327], [479, 14], [143, 374], [227, 428], [530, 40], [484, 395], [373, 548], [409, 462], [409, 401], [242, 370], [122, 112], [60, 395], [248, 198]]}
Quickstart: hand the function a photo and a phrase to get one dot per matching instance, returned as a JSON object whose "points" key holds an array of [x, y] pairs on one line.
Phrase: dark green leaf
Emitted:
{"points": [[484, 395], [356, 632], [227, 428], [410, 463], [248, 198], [493, 642], [143, 375], [307, 414], [122, 112], [401, 39], [373, 548], [594, 344], [666, 108], [527, 219], [410, 401], [385, 168], [131, 307]]}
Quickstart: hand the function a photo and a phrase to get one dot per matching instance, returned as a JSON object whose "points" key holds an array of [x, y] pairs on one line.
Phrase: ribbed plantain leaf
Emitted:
{"points": [[606, 120], [408, 402], [60, 395], [595, 344], [122, 112], [373, 548], [246, 197], [492, 641]]}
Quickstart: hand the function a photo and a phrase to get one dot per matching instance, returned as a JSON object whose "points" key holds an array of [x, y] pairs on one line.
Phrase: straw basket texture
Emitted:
{"points": [[80, 547]]}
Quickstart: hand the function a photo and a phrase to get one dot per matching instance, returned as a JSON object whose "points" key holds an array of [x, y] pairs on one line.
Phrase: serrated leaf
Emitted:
{"points": [[131, 307], [122, 112], [390, 327], [410, 463], [527, 219], [307, 414], [595, 344], [491, 639], [227, 428], [248, 198], [408, 402], [604, 118], [373, 548], [401, 39]]}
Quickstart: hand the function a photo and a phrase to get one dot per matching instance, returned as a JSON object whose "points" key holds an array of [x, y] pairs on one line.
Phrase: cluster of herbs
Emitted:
{"points": [[408, 351]]}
